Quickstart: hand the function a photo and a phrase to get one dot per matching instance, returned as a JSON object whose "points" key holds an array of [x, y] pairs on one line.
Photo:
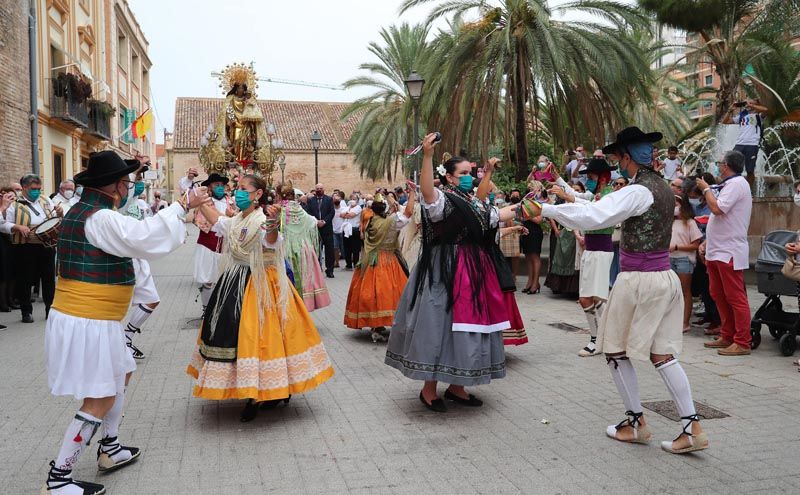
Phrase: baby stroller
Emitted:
{"points": [[782, 325]]}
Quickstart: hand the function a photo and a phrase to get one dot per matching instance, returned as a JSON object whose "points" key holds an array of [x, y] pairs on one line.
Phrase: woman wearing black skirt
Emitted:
{"points": [[531, 245]]}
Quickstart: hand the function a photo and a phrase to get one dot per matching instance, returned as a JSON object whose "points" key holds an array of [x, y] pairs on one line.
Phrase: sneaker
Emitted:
{"points": [[589, 350], [717, 343], [734, 350], [112, 456]]}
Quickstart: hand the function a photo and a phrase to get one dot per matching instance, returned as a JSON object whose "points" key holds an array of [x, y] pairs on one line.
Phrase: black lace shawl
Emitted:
{"points": [[464, 225]]}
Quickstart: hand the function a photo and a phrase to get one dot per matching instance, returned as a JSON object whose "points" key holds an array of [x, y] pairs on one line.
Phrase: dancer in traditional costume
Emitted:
{"points": [[595, 267], [257, 340], [410, 238], [301, 244], [145, 295], [381, 275], [515, 334], [644, 315], [84, 340], [209, 245], [449, 322]]}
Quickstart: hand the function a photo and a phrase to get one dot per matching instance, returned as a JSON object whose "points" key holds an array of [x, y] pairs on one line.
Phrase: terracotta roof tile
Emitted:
{"points": [[294, 122]]}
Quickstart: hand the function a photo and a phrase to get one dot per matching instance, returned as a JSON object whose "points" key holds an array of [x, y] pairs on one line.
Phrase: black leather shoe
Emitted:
{"points": [[329, 275], [471, 402], [436, 406], [27, 319], [249, 412], [272, 404], [3, 327]]}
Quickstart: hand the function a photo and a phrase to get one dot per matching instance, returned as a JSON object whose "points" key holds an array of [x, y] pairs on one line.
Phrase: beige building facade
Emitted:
{"points": [[294, 122], [93, 80]]}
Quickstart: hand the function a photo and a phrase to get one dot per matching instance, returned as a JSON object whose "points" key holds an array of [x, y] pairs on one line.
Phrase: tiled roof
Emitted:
{"points": [[294, 122]]}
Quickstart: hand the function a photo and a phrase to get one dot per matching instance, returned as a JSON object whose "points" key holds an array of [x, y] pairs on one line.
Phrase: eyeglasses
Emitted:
{"points": [[129, 184], [618, 184]]}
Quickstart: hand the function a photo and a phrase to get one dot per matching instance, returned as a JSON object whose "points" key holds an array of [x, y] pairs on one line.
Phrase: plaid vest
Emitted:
{"points": [[79, 260]]}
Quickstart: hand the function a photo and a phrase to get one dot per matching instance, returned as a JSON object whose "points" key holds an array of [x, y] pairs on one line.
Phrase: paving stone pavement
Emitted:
{"points": [[365, 430]]}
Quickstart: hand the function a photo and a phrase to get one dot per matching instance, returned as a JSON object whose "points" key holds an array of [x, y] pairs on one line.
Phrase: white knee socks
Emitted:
{"points": [[114, 416], [677, 383], [627, 384], [78, 435], [140, 315], [591, 317], [205, 294]]}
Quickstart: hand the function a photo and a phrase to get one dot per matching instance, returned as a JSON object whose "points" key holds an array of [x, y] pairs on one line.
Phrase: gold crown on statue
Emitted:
{"points": [[238, 73], [379, 198]]}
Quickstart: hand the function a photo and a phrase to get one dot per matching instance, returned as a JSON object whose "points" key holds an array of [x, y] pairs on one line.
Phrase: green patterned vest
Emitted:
{"points": [[79, 260], [652, 230], [603, 192]]}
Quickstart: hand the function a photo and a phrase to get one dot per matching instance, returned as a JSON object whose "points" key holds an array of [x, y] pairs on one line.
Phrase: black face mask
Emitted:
{"points": [[515, 200]]}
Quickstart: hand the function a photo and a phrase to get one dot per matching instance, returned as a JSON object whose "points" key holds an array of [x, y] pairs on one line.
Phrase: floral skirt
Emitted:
{"points": [[283, 358], [375, 292]]}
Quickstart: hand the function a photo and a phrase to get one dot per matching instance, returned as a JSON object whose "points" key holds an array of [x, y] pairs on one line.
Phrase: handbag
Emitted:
{"points": [[791, 268]]}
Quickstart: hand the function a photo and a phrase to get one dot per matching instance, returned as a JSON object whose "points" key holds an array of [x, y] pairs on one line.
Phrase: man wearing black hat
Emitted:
{"points": [[596, 260], [643, 318], [84, 341], [209, 245]]}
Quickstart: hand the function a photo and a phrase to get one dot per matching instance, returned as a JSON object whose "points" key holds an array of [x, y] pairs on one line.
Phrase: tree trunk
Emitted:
{"points": [[520, 128]]}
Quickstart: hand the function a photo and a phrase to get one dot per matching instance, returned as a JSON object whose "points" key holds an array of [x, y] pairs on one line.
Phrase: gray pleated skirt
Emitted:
{"points": [[423, 345]]}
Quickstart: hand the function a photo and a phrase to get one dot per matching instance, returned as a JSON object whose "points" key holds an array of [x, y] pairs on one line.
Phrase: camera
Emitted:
{"points": [[438, 137]]}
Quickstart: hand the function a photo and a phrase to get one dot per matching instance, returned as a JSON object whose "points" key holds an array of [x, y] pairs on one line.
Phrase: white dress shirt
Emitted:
{"points": [[37, 215], [630, 201], [436, 209]]}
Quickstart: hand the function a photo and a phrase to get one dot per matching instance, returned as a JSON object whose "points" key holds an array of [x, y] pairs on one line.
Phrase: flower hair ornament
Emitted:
{"points": [[441, 170]]}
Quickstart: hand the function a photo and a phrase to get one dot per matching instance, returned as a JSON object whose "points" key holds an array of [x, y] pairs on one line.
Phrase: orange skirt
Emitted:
{"points": [[375, 292], [271, 363]]}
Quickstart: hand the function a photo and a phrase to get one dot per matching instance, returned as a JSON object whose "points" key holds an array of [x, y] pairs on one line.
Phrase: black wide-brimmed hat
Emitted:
{"points": [[631, 135], [597, 166], [214, 177], [105, 167]]}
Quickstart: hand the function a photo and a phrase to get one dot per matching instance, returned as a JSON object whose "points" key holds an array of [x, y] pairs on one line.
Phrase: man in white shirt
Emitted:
{"points": [[672, 164], [644, 315], [727, 254], [572, 167], [339, 207], [34, 261], [749, 115], [186, 182], [65, 195], [351, 233]]}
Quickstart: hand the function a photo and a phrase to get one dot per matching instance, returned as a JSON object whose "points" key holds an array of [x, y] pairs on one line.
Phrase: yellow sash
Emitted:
{"points": [[92, 301]]}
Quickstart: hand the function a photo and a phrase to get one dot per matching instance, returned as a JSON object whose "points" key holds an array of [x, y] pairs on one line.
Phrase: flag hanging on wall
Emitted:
{"points": [[142, 125]]}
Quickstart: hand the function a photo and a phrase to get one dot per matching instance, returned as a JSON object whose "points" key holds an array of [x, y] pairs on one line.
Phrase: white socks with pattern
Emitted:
{"points": [[78, 435]]}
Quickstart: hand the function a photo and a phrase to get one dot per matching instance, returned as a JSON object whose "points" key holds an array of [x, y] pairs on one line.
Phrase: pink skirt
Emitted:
{"points": [[315, 292], [515, 335], [491, 314]]}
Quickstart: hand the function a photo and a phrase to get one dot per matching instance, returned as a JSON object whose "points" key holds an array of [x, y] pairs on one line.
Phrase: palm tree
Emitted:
{"points": [[585, 73], [776, 81], [733, 34], [385, 125]]}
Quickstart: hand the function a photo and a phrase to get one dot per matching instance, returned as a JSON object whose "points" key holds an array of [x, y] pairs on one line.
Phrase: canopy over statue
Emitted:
{"points": [[239, 138]]}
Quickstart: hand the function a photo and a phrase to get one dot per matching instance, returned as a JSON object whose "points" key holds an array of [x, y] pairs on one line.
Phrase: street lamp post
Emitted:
{"points": [[282, 165], [414, 84], [316, 138]]}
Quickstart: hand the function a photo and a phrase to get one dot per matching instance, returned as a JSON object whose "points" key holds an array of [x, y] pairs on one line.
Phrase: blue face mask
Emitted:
{"points": [[34, 194], [79, 190], [624, 173], [138, 188], [243, 200], [491, 197], [465, 183], [591, 185], [219, 192]]}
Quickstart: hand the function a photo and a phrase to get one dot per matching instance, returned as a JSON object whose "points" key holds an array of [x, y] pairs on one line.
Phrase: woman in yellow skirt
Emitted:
{"points": [[380, 278], [257, 340]]}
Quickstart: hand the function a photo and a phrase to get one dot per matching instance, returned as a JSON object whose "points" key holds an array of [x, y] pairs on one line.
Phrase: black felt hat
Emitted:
{"points": [[597, 166], [214, 177], [631, 135], [105, 167]]}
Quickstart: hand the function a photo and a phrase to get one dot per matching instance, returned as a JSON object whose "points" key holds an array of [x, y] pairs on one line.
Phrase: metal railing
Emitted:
{"points": [[69, 111], [99, 124]]}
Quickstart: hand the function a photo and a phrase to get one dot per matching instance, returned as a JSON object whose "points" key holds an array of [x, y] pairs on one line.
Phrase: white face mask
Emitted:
{"points": [[696, 201], [677, 211], [797, 198], [68, 194], [352, 203]]}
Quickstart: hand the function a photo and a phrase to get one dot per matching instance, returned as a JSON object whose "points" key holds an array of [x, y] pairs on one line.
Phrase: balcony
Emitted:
{"points": [[99, 120], [71, 112]]}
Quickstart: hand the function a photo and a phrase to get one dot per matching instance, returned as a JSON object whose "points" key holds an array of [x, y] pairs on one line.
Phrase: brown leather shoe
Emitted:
{"points": [[734, 350], [718, 343]]}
